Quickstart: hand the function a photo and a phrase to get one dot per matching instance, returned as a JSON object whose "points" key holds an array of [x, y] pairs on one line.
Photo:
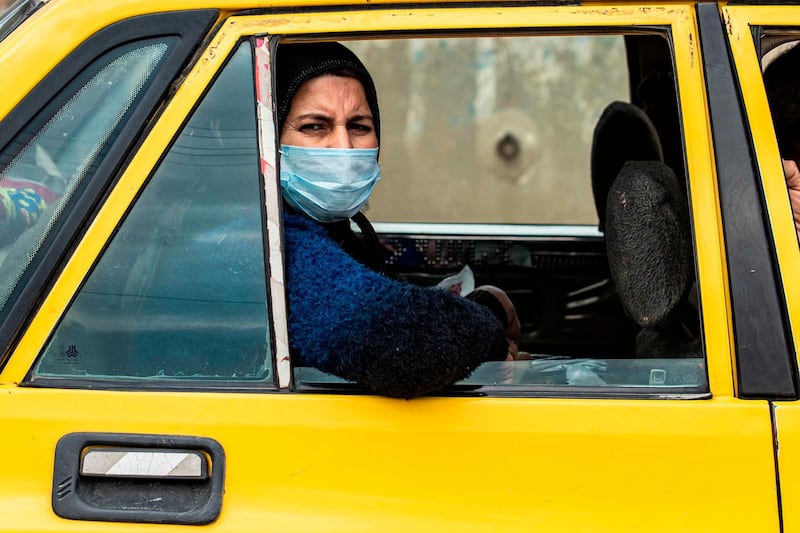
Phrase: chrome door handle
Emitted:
{"points": [[121, 477]]}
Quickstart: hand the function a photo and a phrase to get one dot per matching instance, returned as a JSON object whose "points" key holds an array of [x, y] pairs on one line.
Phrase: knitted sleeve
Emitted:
{"points": [[394, 338]]}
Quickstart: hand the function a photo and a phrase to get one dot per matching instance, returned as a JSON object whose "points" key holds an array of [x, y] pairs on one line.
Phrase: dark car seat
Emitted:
{"points": [[623, 133], [649, 248]]}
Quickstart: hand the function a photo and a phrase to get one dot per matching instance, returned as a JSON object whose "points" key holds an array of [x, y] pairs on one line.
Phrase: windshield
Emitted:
{"points": [[13, 13]]}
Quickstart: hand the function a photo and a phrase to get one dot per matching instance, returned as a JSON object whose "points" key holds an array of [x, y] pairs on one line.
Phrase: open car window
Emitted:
{"points": [[553, 167], [779, 55]]}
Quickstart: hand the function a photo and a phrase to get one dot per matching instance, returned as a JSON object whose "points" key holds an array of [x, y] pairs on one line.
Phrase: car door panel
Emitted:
{"points": [[310, 462]]}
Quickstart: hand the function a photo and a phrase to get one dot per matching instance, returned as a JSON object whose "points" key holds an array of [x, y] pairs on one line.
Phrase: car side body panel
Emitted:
{"points": [[297, 461]]}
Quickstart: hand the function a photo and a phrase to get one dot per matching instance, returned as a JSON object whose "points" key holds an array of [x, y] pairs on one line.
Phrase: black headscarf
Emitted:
{"points": [[297, 63]]}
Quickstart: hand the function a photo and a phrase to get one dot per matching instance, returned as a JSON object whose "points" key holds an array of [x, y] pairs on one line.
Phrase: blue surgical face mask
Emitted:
{"points": [[328, 184]]}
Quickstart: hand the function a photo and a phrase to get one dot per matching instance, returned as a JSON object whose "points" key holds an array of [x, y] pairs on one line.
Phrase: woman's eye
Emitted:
{"points": [[361, 128], [312, 127]]}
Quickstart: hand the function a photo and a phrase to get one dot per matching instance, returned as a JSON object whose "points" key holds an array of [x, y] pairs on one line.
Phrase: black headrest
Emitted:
{"points": [[648, 242], [623, 133]]}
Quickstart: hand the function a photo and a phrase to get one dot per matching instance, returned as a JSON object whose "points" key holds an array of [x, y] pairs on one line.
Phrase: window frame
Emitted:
{"points": [[769, 367], [719, 376], [750, 22]]}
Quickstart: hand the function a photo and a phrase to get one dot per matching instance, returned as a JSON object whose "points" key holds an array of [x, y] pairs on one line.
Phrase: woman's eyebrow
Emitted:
{"points": [[314, 116], [321, 117]]}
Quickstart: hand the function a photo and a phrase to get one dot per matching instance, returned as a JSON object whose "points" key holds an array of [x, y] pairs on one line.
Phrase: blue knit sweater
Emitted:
{"points": [[394, 338]]}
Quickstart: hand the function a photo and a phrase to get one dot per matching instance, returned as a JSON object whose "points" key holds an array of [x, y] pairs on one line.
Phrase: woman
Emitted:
{"points": [[345, 318]]}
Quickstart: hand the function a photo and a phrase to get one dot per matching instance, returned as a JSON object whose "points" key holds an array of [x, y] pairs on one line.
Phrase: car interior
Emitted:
{"points": [[621, 302]]}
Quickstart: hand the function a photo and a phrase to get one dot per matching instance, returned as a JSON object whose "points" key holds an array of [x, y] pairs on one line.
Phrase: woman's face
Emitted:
{"points": [[330, 112]]}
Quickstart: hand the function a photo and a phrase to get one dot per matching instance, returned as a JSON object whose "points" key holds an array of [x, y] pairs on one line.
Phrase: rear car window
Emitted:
{"points": [[780, 53], [61, 148]]}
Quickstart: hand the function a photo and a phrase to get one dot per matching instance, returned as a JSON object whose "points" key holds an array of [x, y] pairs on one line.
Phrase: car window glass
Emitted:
{"points": [[62, 146], [552, 167], [180, 292]]}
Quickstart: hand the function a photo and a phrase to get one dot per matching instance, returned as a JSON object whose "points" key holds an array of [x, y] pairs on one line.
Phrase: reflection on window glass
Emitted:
{"points": [[180, 293], [511, 120], [62, 147]]}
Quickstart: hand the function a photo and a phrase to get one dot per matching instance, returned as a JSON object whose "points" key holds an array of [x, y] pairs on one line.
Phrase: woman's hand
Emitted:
{"points": [[511, 321]]}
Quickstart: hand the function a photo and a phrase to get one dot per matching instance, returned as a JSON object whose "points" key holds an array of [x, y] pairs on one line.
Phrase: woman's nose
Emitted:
{"points": [[341, 138]]}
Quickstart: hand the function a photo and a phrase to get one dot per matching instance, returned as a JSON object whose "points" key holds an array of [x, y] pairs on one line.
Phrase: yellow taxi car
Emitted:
{"points": [[612, 164]]}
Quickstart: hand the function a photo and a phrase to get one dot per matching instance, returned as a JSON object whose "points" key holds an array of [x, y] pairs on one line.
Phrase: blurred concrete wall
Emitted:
{"points": [[490, 129]]}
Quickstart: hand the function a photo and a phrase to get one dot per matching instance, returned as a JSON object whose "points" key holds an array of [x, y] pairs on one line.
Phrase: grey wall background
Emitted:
{"points": [[447, 103]]}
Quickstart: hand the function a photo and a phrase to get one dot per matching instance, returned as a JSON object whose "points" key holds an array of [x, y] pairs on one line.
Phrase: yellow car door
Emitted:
{"points": [[753, 32], [148, 377]]}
